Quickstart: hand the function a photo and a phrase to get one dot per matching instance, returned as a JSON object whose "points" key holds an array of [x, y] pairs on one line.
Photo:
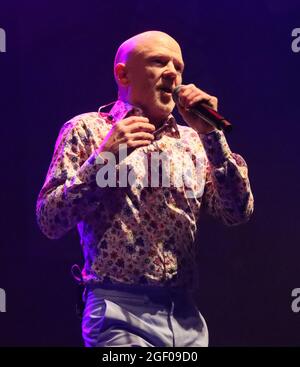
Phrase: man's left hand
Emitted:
{"points": [[187, 96]]}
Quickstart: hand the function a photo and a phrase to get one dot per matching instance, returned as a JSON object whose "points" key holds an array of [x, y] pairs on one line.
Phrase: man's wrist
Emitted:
{"points": [[206, 131], [216, 147]]}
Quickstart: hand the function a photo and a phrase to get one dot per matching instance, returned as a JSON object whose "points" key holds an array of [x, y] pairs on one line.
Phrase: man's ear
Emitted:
{"points": [[121, 74]]}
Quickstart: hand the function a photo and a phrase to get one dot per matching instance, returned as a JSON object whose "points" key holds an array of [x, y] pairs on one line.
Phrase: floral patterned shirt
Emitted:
{"points": [[143, 233]]}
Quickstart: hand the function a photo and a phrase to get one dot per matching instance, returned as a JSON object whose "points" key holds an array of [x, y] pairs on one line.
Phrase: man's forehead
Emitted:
{"points": [[157, 42], [158, 49]]}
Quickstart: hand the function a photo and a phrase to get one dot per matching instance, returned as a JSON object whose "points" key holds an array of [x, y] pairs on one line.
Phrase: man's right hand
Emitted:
{"points": [[135, 131]]}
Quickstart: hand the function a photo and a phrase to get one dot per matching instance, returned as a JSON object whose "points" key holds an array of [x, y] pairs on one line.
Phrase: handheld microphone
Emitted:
{"points": [[205, 112]]}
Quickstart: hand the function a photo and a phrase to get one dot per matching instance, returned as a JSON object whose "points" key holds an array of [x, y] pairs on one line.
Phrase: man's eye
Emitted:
{"points": [[158, 61], [179, 68]]}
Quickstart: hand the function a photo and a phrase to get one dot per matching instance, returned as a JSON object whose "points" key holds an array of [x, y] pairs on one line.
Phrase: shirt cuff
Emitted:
{"points": [[216, 147]]}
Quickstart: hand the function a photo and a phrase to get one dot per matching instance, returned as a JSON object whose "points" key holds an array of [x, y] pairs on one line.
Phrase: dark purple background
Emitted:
{"points": [[59, 64]]}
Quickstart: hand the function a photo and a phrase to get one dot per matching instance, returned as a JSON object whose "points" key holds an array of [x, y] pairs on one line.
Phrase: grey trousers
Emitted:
{"points": [[136, 316]]}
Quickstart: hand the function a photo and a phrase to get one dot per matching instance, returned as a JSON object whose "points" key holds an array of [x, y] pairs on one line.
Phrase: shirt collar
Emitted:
{"points": [[121, 110]]}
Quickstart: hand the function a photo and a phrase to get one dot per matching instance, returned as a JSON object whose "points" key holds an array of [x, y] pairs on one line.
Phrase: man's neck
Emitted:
{"points": [[158, 121]]}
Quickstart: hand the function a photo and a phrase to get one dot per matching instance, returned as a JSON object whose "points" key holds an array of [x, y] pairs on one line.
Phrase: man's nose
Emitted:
{"points": [[170, 72]]}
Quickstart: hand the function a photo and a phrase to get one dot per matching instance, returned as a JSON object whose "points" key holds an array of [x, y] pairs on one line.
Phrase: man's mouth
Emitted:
{"points": [[168, 90]]}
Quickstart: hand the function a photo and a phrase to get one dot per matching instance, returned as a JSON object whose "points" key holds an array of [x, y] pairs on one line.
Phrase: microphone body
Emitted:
{"points": [[206, 113]]}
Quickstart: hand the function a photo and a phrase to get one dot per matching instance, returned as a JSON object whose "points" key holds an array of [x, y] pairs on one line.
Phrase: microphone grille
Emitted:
{"points": [[175, 93]]}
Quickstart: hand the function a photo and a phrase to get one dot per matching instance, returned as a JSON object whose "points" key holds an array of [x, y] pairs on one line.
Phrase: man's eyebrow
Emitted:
{"points": [[159, 55], [151, 56]]}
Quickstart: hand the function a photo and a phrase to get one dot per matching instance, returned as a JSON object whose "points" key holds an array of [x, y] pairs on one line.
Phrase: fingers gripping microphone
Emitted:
{"points": [[205, 112]]}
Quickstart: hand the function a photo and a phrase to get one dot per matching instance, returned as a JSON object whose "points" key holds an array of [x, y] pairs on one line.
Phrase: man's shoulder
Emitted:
{"points": [[87, 119], [86, 124]]}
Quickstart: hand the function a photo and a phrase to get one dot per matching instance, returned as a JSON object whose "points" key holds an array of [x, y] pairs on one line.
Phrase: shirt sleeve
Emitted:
{"points": [[70, 191], [227, 193]]}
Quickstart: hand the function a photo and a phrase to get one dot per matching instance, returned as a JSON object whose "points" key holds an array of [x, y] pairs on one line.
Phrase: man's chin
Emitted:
{"points": [[167, 108], [159, 110], [166, 98], [166, 104]]}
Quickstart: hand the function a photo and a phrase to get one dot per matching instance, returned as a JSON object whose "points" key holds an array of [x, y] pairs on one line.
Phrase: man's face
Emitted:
{"points": [[154, 69]]}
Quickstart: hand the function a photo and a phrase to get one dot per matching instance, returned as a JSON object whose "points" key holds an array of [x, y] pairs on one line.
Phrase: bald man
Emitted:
{"points": [[138, 233]]}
